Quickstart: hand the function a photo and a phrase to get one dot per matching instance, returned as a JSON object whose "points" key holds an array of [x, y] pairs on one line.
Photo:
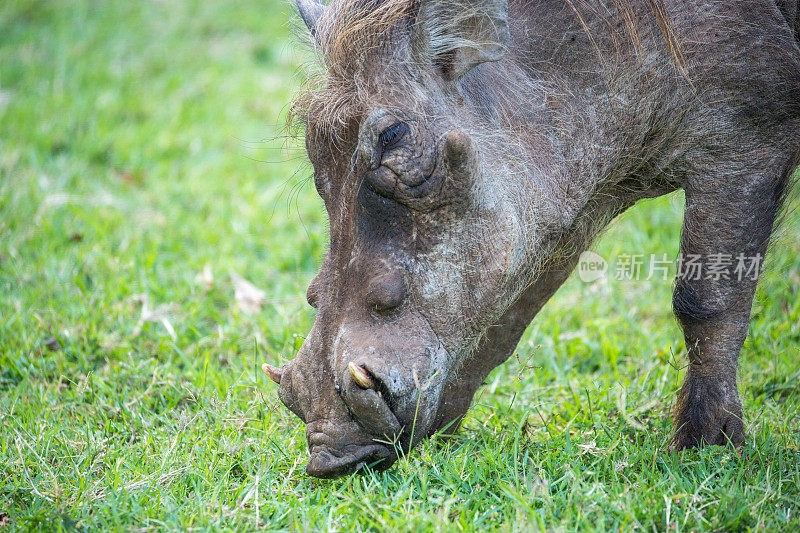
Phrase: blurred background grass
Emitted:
{"points": [[145, 164]]}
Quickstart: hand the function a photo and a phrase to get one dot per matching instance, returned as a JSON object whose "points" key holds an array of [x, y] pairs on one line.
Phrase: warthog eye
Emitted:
{"points": [[391, 135]]}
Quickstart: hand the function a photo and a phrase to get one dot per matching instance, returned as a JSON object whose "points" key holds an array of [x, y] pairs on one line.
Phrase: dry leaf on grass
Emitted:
{"points": [[160, 314], [590, 448], [205, 277], [248, 296]]}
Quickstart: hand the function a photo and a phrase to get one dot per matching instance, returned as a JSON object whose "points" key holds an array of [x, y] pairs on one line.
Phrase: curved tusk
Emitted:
{"points": [[273, 372], [360, 376]]}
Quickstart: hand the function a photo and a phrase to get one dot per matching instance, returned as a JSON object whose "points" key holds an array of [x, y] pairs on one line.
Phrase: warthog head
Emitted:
{"points": [[427, 184]]}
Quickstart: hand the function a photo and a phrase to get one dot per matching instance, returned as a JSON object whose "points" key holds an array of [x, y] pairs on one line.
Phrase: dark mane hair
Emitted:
{"points": [[354, 32]]}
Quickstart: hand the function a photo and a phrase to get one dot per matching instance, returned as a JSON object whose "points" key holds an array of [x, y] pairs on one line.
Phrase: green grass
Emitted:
{"points": [[142, 141]]}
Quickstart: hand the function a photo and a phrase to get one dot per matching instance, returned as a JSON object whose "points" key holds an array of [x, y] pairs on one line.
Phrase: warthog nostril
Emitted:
{"points": [[274, 373], [361, 376]]}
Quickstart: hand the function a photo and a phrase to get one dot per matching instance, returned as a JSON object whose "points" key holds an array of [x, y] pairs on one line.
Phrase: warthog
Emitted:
{"points": [[468, 152]]}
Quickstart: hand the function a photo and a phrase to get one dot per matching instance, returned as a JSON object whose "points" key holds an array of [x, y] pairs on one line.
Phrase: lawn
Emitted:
{"points": [[146, 170]]}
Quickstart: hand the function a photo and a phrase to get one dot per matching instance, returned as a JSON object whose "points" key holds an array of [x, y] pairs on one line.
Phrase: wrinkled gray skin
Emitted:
{"points": [[519, 150]]}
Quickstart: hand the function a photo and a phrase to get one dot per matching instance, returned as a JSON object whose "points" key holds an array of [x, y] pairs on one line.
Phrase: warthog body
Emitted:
{"points": [[468, 152]]}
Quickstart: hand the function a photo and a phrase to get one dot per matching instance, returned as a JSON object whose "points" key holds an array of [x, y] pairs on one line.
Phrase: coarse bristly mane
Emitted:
{"points": [[355, 37], [350, 36], [358, 27]]}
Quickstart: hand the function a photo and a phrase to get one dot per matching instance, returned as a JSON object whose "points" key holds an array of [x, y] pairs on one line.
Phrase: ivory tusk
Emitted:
{"points": [[360, 376], [273, 372]]}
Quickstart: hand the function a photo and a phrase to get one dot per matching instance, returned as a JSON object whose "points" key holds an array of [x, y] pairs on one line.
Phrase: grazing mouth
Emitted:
{"points": [[326, 465]]}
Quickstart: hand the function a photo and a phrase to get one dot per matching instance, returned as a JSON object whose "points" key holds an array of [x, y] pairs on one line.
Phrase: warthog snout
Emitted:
{"points": [[356, 427], [359, 378]]}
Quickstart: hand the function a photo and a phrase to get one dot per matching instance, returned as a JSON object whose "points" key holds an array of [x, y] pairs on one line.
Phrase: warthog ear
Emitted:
{"points": [[459, 35], [311, 12]]}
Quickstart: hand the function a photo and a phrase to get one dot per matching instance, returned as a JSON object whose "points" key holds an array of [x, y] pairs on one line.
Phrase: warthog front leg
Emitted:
{"points": [[726, 230]]}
